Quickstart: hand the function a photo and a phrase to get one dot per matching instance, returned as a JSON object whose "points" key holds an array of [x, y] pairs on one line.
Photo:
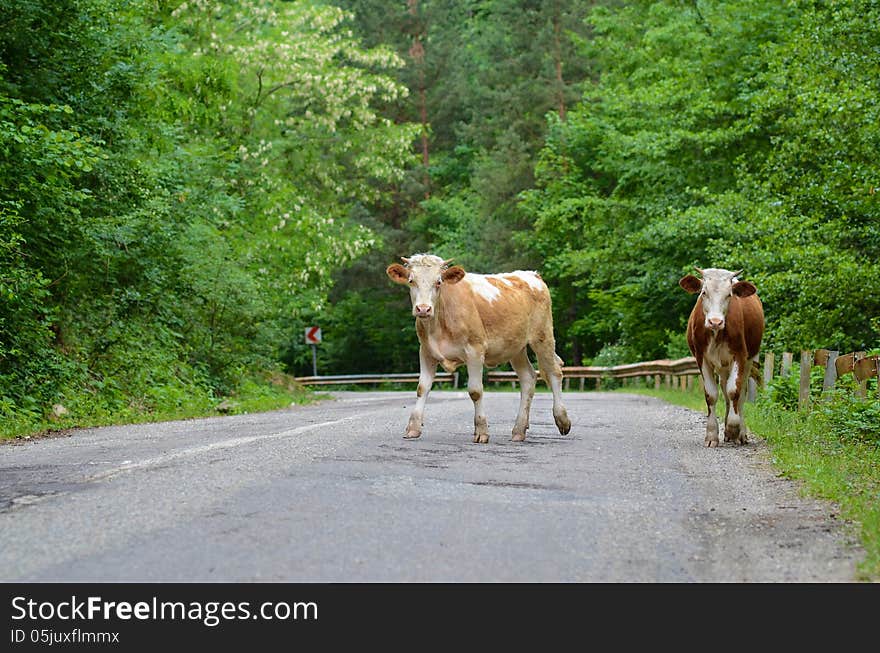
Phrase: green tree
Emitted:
{"points": [[624, 184], [177, 187], [814, 202]]}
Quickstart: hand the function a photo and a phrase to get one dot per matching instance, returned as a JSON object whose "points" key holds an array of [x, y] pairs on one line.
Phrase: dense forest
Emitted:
{"points": [[185, 186]]}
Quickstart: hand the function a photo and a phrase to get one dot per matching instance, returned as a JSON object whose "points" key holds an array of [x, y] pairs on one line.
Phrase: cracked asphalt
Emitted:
{"points": [[331, 492]]}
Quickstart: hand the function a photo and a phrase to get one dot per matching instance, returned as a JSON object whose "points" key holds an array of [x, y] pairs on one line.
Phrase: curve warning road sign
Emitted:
{"points": [[313, 335]]}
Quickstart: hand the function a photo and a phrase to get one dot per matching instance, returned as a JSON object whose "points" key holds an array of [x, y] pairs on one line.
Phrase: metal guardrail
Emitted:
{"points": [[684, 368], [681, 373], [353, 379]]}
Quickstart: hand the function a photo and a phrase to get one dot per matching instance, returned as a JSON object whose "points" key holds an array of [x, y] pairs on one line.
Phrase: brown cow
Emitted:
{"points": [[724, 333], [475, 320]]}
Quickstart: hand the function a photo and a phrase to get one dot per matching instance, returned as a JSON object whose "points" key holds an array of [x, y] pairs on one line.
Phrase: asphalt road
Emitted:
{"points": [[332, 492]]}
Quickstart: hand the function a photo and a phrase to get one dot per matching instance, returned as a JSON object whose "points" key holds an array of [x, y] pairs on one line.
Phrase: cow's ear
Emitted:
{"points": [[397, 273], [454, 274], [744, 289], [691, 284]]}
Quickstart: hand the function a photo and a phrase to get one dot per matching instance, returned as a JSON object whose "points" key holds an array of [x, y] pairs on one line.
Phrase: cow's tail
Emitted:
{"points": [[544, 374], [755, 373]]}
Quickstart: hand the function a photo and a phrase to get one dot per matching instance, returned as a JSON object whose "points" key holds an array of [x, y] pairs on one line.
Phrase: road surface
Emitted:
{"points": [[331, 492]]}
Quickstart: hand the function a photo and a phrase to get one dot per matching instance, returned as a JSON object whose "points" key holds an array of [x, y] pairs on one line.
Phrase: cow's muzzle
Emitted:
{"points": [[423, 310], [715, 323]]}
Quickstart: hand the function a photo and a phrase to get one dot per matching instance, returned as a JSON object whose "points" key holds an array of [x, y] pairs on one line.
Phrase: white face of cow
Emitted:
{"points": [[716, 288], [424, 274]]}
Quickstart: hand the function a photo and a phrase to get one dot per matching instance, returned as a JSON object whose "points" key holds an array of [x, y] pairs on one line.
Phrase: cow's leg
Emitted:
{"points": [[527, 378], [751, 365], [711, 393], [734, 430], [551, 369], [723, 376], [427, 370], [475, 390]]}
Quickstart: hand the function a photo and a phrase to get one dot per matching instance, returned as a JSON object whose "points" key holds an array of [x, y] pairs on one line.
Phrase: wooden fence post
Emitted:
{"points": [[787, 357], [768, 367], [804, 388], [656, 382], [830, 371], [752, 393]]}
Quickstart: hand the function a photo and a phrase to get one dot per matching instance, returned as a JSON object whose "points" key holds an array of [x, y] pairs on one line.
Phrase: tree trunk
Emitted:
{"points": [[557, 61], [576, 351], [417, 53]]}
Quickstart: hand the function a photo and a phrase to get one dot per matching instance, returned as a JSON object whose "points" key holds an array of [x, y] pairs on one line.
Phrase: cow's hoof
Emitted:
{"points": [[711, 443], [481, 438], [518, 437], [733, 433], [411, 435], [563, 423]]}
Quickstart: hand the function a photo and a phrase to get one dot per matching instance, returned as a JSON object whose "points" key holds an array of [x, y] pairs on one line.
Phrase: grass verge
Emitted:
{"points": [[833, 462], [273, 392]]}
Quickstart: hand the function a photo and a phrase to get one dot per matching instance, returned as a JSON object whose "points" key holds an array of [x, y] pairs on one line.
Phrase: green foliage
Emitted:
{"points": [[370, 332], [783, 391], [176, 192], [738, 135], [852, 418], [609, 356], [676, 345]]}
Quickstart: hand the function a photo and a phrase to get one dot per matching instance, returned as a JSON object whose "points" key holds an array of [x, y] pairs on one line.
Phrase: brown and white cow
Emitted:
{"points": [[475, 320], [724, 334]]}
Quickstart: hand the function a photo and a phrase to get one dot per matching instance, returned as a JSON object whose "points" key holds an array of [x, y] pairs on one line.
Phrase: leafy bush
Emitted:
{"points": [[859, 419], [676, 344], [609, 356], [784, 390], [851, 417]]}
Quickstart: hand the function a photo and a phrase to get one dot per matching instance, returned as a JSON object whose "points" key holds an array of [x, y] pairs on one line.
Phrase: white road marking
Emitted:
{"points": [[225, 444]]}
